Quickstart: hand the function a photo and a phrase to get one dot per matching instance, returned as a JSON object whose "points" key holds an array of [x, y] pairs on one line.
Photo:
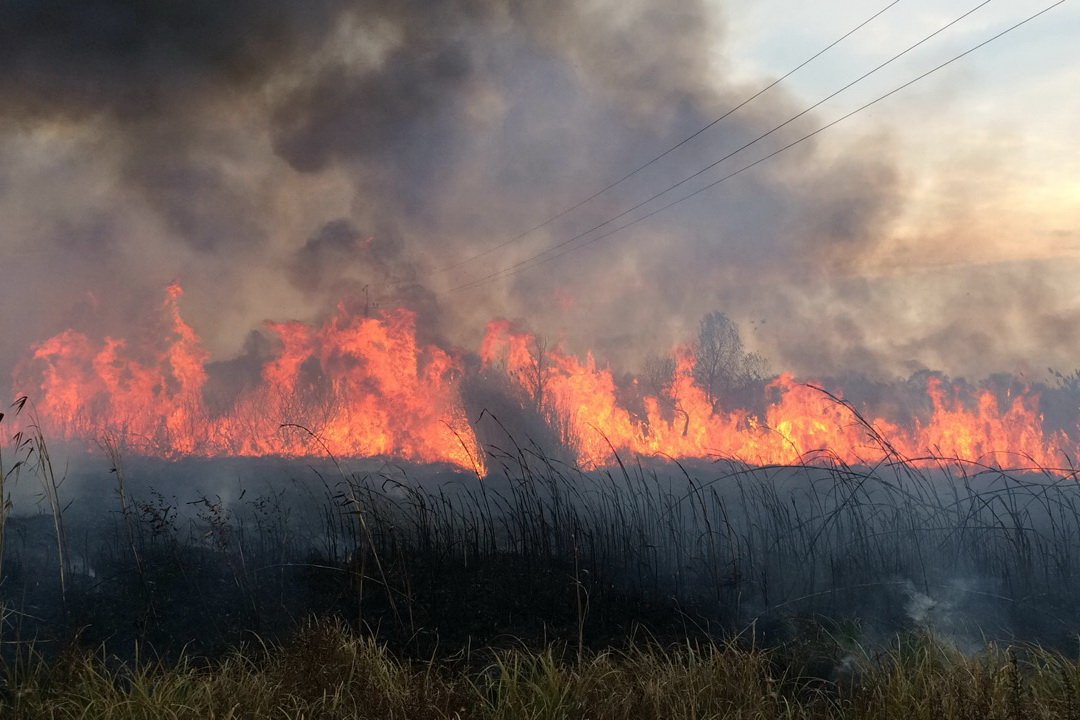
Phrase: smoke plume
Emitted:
{"points": [[277, 157]]}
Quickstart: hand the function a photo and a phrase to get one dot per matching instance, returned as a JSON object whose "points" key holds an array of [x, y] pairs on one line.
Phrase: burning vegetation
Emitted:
{"points": [[523, 491], [361, 385], [432, 479]]}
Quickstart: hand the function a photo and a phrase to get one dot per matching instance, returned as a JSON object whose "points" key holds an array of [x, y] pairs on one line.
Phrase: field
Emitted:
{"points": [[651, 589], [327, 672]]}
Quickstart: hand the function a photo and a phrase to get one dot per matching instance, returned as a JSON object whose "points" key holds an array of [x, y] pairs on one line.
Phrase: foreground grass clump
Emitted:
{"points": [[327, 672]]}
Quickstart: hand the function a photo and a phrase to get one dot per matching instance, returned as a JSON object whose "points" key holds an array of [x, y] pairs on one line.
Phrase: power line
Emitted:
{"points": [[539, 257], [665, 153], [731, 154], [795, 142]]}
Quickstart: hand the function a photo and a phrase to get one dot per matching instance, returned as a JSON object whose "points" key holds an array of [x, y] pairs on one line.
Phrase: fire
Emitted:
{"points": [[800, 424], [360, 386], [354, 386], [958, 432]]}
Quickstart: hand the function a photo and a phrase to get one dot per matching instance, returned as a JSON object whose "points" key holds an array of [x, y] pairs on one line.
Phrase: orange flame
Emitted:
{"points": [[364, 386], [800, 424]]}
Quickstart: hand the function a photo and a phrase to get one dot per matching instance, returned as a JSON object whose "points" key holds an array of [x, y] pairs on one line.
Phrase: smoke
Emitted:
{"points": [[136, 62], [277, 157]]}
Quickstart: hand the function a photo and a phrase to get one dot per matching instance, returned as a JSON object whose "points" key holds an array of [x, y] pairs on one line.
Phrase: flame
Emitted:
{"points": [[359, 386], [354, 386], [801, 423]]}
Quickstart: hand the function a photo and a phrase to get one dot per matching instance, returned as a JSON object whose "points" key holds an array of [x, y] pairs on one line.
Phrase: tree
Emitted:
{"points": [[722, 367], [534, 377], [658, 375]]}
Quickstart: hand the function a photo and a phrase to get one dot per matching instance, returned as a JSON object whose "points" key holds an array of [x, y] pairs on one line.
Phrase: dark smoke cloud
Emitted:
{"points": [[138, 59], [402, 113], [844, 207], [278, 156], [321, 258], [158, 75], [340, 262]]}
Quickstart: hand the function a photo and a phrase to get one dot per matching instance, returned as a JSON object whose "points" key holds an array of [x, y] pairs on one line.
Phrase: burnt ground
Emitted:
{"points": [[204, 555]]}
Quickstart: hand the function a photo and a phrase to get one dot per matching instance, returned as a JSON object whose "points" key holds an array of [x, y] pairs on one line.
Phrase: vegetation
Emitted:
{"points": [[722, 368], [328, 672], [652, 589]]}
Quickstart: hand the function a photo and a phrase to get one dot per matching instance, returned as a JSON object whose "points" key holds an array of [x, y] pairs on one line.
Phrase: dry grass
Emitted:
{"points": [[816, 558], [327, 672]]}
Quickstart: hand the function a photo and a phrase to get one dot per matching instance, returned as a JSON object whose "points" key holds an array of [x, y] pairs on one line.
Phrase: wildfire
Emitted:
{"points": [[360, 386], [354, 386], [799, 423]]}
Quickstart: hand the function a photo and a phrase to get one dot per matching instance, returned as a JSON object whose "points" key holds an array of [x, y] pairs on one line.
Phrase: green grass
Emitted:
{"points": [[328, 672]]}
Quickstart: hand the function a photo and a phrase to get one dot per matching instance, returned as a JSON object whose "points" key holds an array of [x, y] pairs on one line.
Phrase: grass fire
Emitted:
{"points": [[365, 386], [516, 359]]}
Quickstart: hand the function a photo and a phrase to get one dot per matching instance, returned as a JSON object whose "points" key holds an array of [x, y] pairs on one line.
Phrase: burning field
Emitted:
{"points": [[360, 386], [732, 344], [348, 466]]}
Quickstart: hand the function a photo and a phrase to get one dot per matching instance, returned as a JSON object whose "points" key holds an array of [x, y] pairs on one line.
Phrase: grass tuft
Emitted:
{"points": [[326, 671]]}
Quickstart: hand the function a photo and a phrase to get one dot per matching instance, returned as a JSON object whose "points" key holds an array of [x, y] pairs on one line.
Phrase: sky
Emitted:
{"points": [[1010, 103], [278, 158], [988, 154]]}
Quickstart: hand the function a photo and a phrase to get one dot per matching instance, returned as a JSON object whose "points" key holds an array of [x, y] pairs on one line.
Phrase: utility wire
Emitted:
{"points": [[731, 154], [539, 257], [665, 153]]}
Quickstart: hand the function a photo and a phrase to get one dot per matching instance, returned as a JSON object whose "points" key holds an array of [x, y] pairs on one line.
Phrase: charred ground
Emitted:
{"points": [[200, 555]]}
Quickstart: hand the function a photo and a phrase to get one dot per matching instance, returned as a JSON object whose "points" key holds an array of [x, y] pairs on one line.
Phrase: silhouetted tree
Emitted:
{"points": [[722, 367], [658, 375]]}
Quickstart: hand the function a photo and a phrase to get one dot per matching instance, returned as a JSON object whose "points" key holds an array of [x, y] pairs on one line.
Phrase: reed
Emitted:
{"points": [[814, 569]]}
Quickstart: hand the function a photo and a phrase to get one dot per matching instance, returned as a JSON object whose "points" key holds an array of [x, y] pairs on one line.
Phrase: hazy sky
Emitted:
{"points": [[1000, 124], [987, 148], [276, 157]]}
